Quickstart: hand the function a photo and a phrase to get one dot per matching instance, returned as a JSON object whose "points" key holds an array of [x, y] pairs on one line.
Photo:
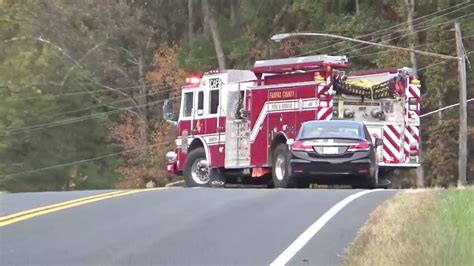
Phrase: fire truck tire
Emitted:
{"points": [[196, 173], [281, 169]]}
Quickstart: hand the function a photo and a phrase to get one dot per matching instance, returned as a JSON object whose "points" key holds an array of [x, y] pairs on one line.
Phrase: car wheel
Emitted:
{"points": [[302, 184], [373, 180], [281, 169], [196, 169]]}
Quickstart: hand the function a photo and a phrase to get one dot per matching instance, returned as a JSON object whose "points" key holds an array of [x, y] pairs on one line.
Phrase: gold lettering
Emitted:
{"points": [[273, 95]]}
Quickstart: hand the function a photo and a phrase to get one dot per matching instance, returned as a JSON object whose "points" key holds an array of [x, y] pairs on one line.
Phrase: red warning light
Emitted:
{"points": [[193, 80]]}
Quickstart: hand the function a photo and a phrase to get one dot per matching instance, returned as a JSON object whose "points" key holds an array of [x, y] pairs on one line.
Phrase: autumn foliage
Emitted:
{"points": [[149, 137]]}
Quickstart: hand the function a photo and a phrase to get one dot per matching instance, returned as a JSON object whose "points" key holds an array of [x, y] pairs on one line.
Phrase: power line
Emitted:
{"points": [[440, 62], [444, 108], [420, 45], [114, 102], [93, 91], [417, 24], [86, 160], [391, 27], [79, 119], [423, 29]]}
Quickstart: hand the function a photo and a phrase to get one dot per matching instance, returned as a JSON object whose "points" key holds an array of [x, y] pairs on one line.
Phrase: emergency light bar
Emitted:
{"points": [[299, 63], [193, 80]]}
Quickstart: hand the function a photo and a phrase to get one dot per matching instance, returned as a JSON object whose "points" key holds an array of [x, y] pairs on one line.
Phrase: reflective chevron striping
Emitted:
{"points": [[391, 144]]}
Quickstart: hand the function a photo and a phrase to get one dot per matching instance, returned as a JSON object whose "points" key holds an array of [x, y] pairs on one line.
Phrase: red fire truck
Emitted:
{"points": [[230, 121]]}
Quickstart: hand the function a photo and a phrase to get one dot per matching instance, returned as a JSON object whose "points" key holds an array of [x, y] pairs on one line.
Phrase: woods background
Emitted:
{"points": [[82, 82]]}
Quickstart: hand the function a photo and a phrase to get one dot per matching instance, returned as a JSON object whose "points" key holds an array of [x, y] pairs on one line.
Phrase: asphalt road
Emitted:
{"points": [[183, 226]]}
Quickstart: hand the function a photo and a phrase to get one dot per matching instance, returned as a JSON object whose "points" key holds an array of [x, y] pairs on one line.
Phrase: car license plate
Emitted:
{"points": [[330, 150]]}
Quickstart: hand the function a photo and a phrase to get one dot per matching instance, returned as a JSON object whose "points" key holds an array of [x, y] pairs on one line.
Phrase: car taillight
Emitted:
{"points": [[299, 145], [361, 146]]}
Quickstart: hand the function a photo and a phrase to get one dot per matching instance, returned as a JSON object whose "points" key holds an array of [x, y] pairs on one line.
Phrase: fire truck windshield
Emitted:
{"points": [[188, 104]]}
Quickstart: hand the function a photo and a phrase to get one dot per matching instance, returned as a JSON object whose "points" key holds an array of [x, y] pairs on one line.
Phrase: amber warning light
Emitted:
{"points": [[193, 80]]}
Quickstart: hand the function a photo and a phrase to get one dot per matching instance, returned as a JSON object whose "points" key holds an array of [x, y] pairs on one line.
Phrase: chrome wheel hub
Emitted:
{"points": [[200, 171], [280, 167]]}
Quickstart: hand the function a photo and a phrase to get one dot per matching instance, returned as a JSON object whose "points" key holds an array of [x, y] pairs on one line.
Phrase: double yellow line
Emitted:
{"points": [[28, 214]]}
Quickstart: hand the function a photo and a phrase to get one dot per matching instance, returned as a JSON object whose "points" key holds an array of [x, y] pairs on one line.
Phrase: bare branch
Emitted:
{"points": [[80, 60]]}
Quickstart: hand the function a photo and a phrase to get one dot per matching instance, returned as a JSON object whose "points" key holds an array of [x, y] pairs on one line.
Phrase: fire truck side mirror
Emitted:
{"points": [[168, 114], [378, 142], [290, 141]]}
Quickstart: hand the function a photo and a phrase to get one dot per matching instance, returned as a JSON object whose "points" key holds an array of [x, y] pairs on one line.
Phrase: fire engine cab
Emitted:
{"points": [[230, 121]]}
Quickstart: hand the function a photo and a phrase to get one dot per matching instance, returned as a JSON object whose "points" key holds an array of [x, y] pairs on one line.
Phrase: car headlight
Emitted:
{"points": [[171, 156]]}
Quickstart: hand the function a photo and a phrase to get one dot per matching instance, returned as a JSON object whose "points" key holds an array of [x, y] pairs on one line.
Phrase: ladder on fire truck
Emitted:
{"points": [[298, 63]]}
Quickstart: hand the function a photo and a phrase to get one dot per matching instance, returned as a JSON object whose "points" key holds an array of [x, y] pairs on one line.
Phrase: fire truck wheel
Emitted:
{"points": [[196, 170], [281, 169]]}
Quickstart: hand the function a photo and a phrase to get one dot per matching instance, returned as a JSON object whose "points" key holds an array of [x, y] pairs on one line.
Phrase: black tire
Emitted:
{"points": [[373, 181], [368, 181], [302, 184], [193, 156], [281, 173], [215, 177]]}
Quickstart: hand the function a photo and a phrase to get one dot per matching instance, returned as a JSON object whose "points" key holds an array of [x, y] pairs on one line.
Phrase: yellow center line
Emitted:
{"points": [[21, 216], [14, 215]]}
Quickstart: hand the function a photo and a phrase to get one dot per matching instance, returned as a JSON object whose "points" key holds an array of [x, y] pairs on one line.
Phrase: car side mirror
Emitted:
{"points": [[290, 141], [378, 142]]}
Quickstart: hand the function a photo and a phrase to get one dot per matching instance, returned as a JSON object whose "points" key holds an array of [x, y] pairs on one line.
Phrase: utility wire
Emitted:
{"points": [[93, 91], [417, 24], [86, 160], [404, 35], [416, 46], [444, 108], [391, 27], [365, 35], [78, 119], [114, 102], [440, 62]]}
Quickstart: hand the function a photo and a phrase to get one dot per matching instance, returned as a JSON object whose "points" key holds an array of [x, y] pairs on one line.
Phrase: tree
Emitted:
{"points": [[211, 21]]}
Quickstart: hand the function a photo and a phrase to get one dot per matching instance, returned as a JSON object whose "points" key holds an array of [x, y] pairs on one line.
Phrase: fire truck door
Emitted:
{"points": [[237, 140], [198, 123]]}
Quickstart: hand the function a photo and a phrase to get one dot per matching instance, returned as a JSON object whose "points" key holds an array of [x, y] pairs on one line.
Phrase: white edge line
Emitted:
{"points": [[174, 183], [299, 243]]}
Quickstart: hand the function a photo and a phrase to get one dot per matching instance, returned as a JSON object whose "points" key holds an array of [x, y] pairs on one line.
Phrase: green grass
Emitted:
{"points": [[455, 215], [418, 227]]}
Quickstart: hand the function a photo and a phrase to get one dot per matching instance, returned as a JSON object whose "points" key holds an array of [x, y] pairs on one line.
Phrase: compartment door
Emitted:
{"points": [[237, 139]]}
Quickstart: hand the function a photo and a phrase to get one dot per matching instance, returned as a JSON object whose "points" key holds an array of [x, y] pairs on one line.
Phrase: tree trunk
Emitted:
{"points": [[234, 13], [357, 6], [191, 22], [143, 100], [205, 21], [209, 17]]}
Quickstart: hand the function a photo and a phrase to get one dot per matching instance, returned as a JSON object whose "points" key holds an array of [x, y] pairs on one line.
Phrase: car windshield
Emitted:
{"points": [[331, 130]]}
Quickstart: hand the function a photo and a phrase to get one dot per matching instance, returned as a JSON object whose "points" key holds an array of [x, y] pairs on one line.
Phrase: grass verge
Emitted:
{"points": [[418, 227]]}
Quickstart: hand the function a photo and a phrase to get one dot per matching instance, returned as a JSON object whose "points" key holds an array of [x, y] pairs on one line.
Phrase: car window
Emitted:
{"points": [[318, 130]]}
